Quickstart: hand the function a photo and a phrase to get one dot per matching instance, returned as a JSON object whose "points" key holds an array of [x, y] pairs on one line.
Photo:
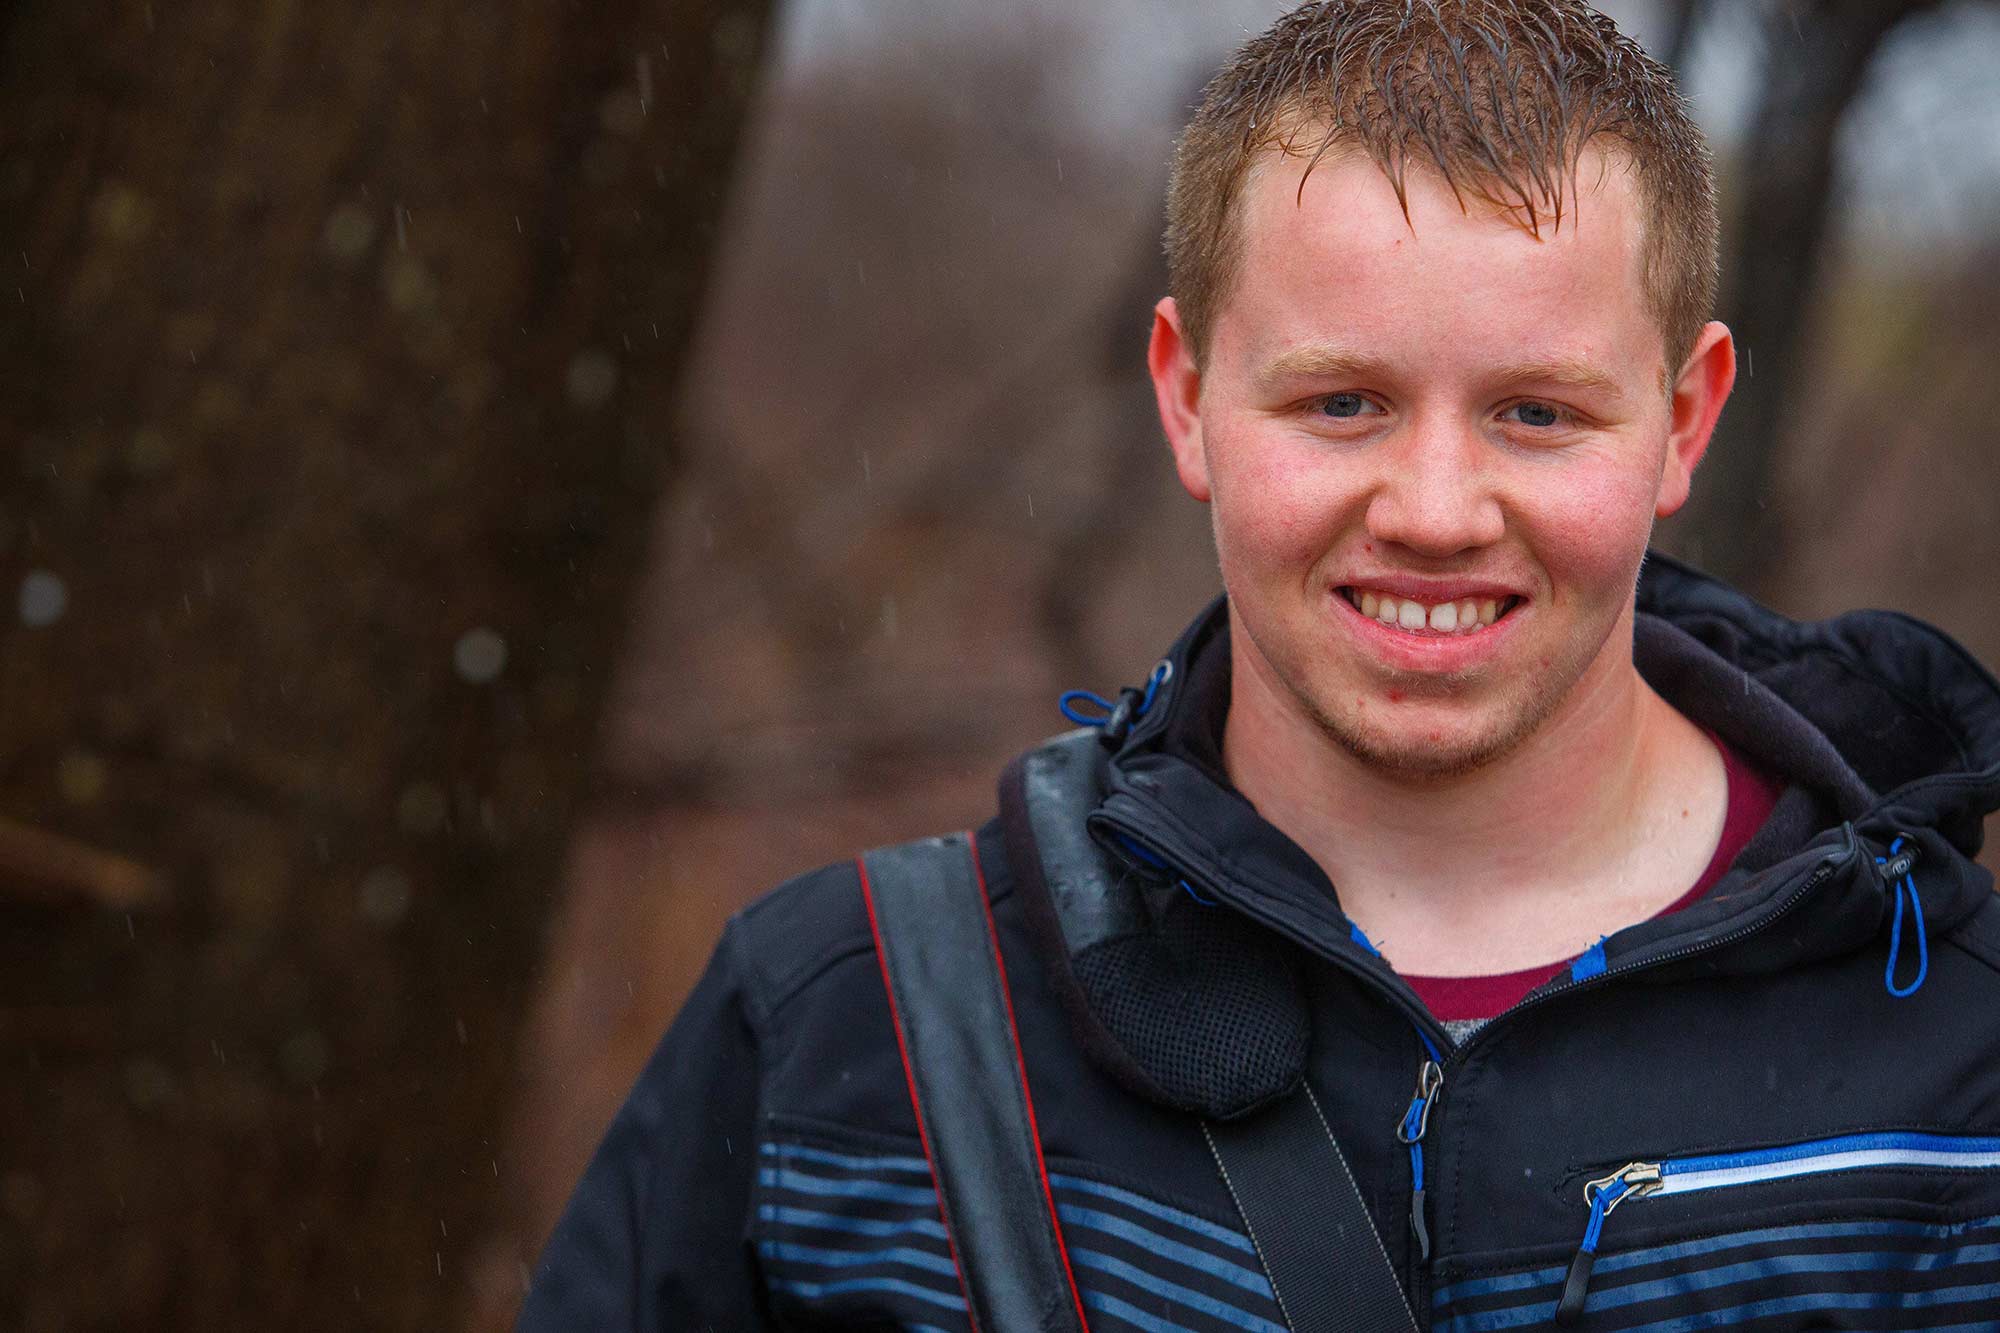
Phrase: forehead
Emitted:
{"points": [[1330, 255]]}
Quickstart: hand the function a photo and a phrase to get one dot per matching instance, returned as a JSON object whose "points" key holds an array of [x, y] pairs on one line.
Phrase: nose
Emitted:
{"points": [[1435, 494]]}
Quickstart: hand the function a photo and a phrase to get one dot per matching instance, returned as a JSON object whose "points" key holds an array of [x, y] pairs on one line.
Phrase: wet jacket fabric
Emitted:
{"points": [[1792, 1126]]}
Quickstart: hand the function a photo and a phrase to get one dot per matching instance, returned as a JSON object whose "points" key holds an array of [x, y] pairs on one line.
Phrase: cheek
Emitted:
{"points": [[1274, 508], [1593, 524]]}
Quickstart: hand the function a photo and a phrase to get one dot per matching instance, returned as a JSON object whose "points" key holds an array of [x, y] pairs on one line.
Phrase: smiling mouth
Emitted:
{"points": [[1464, 616]]}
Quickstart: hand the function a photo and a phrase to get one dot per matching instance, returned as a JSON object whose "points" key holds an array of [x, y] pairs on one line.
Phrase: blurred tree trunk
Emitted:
{"points": [[1817, 54], [335, 384]]}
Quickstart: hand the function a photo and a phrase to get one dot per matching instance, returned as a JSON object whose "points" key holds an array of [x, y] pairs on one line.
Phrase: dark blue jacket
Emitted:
{"points": [[1808, 1150]]}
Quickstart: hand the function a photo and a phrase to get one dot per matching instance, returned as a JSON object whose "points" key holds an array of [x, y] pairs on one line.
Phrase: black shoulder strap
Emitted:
{"points": [[1328, 1269], [947, 990]]}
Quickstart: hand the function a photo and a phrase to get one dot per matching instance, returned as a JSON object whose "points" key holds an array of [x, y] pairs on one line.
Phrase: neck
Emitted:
{"points": [[1539, 827]]}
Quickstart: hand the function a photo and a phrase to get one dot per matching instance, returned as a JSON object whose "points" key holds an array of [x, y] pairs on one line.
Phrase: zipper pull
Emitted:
{"points": [[1416, 1121], [1634, 1181]]}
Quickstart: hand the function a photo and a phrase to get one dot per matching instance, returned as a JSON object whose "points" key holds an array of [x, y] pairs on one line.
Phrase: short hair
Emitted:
{"points": [[1499, 97]]}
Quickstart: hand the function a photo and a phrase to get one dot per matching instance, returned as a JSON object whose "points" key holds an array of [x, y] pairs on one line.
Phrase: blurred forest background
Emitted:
{"points": [[487, 488]]}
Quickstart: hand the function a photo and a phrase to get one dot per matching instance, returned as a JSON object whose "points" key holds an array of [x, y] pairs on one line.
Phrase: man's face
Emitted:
{"points": [[1434, 451]]}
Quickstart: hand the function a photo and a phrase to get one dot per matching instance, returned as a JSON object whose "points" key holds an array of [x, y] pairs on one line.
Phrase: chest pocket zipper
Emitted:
{"points": [[1689, 1175]]}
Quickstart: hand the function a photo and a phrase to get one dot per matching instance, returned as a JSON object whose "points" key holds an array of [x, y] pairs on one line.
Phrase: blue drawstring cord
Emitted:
{"points": [[1416, 1124], [1117, 717], [1600, 1207], [1416, 1121], [1905, 888]]}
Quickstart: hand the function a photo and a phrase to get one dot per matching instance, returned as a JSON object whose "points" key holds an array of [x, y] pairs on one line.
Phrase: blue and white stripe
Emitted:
{"points": [[859, 1236], [1849, 1274], [1849, 1152]]}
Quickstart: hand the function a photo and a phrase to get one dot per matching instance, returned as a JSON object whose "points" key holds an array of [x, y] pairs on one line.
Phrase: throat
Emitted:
{"points": [[1601, 820]]}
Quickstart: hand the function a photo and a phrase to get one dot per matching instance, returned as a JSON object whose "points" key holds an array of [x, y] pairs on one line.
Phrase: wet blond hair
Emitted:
{"points": [[1499, 97]]}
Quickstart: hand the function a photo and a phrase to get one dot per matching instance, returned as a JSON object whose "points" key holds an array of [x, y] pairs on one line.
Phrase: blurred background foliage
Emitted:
{"points": [[485, 489]]}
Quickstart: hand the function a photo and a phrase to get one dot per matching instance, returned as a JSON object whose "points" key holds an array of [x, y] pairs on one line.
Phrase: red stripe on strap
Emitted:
{"points": [[1014, 1032], [910, 1081]]}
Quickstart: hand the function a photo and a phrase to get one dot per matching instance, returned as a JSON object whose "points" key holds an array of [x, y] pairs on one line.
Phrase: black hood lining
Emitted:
{"points": [[1715, 693], [1902, 701]]}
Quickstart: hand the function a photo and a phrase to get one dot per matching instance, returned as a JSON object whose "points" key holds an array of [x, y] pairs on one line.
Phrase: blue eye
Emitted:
{"points": [[1344, 405], [1537, 414]]}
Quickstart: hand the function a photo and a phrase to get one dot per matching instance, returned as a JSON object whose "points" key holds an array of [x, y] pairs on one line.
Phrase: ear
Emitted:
{"points": [[1177, 386], [1703, 387]]}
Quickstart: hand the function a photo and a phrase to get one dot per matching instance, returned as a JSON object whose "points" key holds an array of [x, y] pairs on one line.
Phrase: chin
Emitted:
{"points": [[1435, 749]]}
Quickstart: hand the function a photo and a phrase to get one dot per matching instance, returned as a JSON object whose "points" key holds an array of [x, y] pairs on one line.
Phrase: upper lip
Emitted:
{"points": [[1431, 591]]}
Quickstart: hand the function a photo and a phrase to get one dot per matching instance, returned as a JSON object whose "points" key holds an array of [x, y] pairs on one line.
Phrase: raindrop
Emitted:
{"points": [[148, 1082], [623, 112], [349, 231], [121, 213], [305, 1056], [593, 378], [44, 598], [80, 777], [479, 655], [409, 285], [150, 453], [385, 895], [421, 808]]}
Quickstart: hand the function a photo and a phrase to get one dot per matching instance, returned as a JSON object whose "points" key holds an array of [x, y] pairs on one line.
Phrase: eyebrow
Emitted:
{"points": [[1318, 362], [1567, 372], [1327, 362]]}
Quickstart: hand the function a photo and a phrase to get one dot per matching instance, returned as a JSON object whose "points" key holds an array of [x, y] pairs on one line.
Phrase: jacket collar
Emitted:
{"points": [[1881, 726]]}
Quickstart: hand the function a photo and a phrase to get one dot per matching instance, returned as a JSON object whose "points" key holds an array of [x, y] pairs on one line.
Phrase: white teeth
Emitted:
{"points": [[1464, 616]]}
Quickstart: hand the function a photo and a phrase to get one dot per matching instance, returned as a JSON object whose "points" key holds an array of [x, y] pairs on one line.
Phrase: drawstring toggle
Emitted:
{"points": [[1897, 869], [1116, 720]]}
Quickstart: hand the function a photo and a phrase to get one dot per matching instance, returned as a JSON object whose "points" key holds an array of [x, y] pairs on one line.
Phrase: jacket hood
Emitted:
{"points": [[1909, 719], [1885, 732]]}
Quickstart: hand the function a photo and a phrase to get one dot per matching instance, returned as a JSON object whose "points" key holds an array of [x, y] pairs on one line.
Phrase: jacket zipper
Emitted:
{"points": [[1415, 1124], [1820, 874], [1383, 980], [1689, 1175]]}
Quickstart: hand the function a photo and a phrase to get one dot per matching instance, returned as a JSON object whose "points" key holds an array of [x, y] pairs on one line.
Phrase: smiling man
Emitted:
{"points": [[1434, 443], [1450, 886]]}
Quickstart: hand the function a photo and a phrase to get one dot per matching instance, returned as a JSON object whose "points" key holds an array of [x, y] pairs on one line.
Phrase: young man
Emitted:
{"points": [[1628, 945]]}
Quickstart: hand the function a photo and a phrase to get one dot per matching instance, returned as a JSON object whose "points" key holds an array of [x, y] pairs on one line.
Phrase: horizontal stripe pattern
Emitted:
{"points": [[1832, 1275], [858, 1237], [1852, 1152]]}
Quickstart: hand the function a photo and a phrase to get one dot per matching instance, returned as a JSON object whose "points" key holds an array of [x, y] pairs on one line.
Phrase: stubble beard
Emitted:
{"points": [[1408, 757]]}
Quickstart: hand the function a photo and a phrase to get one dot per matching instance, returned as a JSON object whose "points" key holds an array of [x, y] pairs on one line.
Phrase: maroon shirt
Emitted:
{"points": [[1752, 794]]}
